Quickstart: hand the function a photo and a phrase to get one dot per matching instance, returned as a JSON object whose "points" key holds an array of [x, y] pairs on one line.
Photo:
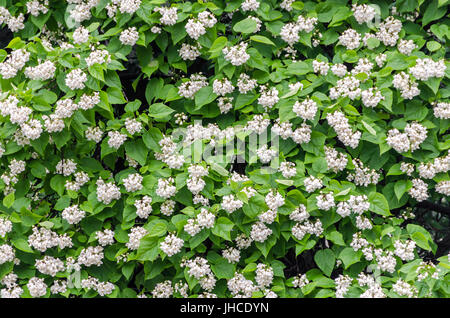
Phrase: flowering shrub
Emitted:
{"points": [[255, 148]]}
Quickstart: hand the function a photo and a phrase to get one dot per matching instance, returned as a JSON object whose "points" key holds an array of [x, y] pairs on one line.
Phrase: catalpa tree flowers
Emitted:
{"points": [[244, 148]]}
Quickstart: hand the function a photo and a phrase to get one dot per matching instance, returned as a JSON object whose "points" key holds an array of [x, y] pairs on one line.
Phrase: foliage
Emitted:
{"points": [[109, 136]]}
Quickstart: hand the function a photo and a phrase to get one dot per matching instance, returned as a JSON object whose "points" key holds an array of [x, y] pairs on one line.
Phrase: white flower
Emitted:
{"points": [[207, 18], [143, 207], [129, 6], [37, 287], [306, 110], [325, 201], [406, 46], [132, 126], [260, 232], [389, 30], [245, 83], [92, 255], [268, 98], [135, 236], [237, 54], [189, 52], [171, 245], [73, 215], [419, 190], [320, 67], [133, 182], [80, 35], [312, 184], [442, 110], [266, 155], [222, 87], [371, 97], [363, 13], [166, 189], [98, 57], [195, 28], [169, 15], [107, 192], [50, 265], [105, 238], [189, 88], [350, 39], [5, 226], [41, 72], [129, 36], [339, 70], [274, 200], [250, 5], [76, 79], [230, 204], [427, 68], [287, 169], [116, 139]]}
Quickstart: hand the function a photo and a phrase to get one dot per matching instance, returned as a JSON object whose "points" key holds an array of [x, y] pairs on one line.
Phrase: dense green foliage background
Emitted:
{"points": [[144, 81]]}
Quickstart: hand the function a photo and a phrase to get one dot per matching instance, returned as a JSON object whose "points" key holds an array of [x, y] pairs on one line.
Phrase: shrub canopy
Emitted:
{"points": [[255, 148]]}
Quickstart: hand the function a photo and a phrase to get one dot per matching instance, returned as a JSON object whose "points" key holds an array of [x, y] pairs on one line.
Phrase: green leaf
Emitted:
{"points": [[218, 44], [6, 268], [397, 62], [261, 39], [285, 182], [433, 12], [378, 204], [222, 228], [160, 111], [153, 269], [325, 259], [151, 138], [148, 249], [156, 228], [249, 268], [133, 106], [373, 43], [61, 138], [419, 235], [267, 245], [315, 146], [369, 128], [137, 150], [96, 71], [223, 269], [433, 46], [341, 14], [22, 244], [62, 203], [178, 32], [40, 144], [335, 237], [57, 183], [9, 200], [150, 68], [400, 187], [299, 68], [219, 169], [127, 269], [421, 240], [245, 26], [204, 96], [255, 206], [349, 257], [197, 239]]}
